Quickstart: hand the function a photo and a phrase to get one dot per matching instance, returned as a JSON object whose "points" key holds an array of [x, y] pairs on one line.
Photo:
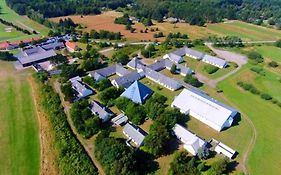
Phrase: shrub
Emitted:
{"points": [[273, 64], [189, 79], [266, 96], [258, 70], [255, 57], [210, 69]]}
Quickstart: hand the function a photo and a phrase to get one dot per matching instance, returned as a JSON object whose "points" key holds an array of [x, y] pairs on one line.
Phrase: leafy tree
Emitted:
{"points": [[68, 92], [189, 79], [255, 57], [278, 43], [273, 64], [218, 167], [173, 69], [203, 153], [109, 94], [6, 56]]}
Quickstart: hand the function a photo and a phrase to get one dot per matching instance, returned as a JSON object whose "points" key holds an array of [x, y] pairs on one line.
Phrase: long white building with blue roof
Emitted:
{"points": [[204, 108]]}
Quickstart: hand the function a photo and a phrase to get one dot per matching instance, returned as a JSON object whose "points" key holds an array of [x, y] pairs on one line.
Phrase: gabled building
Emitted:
{"points": [[117, 69], [191, 142], [215, 61], [71, 46], [101, 111], [225, 150], [34, 55], [163, 80], [80, 88], [53, 46], [126, 80], [135, 64], [137, 92], [204, 108], [120, 119], [174, 57], [134, 134]]}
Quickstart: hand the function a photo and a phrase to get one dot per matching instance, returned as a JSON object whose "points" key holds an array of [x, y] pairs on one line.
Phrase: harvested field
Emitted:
{"points": [[105, 21]]}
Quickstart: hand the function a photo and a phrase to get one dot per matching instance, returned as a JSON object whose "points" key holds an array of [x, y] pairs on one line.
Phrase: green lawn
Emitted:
{"points": [[271, 52], [19, 138], [265, 157], [245, 31], [21, 21], [8, 35]]}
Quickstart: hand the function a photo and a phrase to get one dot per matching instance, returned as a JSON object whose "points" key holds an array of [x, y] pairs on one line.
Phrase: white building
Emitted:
{"points": [[215, 61], [191, 142], [225, 150], [80, 88], [204, 108]]}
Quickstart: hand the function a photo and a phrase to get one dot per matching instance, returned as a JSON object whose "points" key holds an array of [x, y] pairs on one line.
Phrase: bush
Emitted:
{"points": [[258, 70], [278, 43], [210, 69], [266, 96], [255, 57], [273, 64], [189, 79], [6, 56]]}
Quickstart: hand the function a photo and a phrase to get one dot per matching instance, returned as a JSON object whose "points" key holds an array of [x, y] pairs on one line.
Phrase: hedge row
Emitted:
{"points": [[72, 158], [251, 88]]}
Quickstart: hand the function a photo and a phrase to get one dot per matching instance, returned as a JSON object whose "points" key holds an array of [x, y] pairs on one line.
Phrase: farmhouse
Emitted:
{"points": [[101, 111], [191, 142], [100, 74], [34, 55], [137, 92], [80, 88], [134, 134], [215, 61], [225, 150], [71, 47], [120, 119], [204, 108]]}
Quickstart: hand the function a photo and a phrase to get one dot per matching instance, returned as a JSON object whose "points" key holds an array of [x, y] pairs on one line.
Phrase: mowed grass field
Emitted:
{"points": [[21, 21], [19, 138], [4, 35], [265, 156]]}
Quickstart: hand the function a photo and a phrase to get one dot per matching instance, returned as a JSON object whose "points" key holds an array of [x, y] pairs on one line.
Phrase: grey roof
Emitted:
{"points": [[162, 79], [79, 87], [119, 119], [177, 58], [180, 52], [194, 53], [54, 45], [135, 63], [215, 60], [110, 70], [126, 80], [101, 111], [134, 133], [157, 65], [34, 54]]}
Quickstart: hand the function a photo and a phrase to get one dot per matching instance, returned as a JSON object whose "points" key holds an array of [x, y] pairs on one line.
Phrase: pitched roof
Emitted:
{"points": [[215, 60], [126, 80], [162, 79], [135, 63], [134, 133], [193, 53], [110, 70], [191, 142], [34, 54], [137, 92], [119, 119], [71, 45], [53, 45], [101, 111], [212, 112], [175, 57], [79, 87]]}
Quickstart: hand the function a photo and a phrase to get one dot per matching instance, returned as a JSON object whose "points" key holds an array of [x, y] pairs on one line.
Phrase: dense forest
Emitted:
{"points": [[192, 11]]}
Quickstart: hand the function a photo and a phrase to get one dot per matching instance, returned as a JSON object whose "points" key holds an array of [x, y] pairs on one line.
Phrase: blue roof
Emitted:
{"points": [[137, 92]]}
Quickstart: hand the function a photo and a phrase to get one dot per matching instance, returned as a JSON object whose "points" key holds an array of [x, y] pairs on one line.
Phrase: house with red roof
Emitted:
{"points": [[71, 47]]}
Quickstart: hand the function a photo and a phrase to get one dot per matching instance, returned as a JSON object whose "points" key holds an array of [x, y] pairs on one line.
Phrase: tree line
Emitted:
{"points": [[7, 23]]}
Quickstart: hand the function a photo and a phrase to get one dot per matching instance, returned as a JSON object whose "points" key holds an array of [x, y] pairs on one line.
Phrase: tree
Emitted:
{"points": [[210, 69], [173, 69], [203, 153], [255, 57], [189, 79], [218, 167], [67, 91], [278, 43]]}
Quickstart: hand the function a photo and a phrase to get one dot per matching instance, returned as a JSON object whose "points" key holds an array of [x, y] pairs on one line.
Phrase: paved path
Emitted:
{"points": [[106, 50]]}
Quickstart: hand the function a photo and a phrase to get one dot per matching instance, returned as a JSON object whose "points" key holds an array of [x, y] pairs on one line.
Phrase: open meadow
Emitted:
{"points": [[19, 138], [265, 157], [21, 21]]}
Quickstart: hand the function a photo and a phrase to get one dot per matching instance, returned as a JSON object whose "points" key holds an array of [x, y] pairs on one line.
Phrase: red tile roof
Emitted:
{"points": [[70, 45]]}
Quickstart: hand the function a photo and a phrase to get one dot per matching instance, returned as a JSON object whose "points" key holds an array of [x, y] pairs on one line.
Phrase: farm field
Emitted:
{"points": [[19, 138], [22, 21], [247, 32], [266, 122], [5, 35]]}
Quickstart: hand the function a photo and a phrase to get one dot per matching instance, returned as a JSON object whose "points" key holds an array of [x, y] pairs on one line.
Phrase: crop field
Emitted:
{"points": [[265, 157], [21, 21], [105, 21], [19, 138]]}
